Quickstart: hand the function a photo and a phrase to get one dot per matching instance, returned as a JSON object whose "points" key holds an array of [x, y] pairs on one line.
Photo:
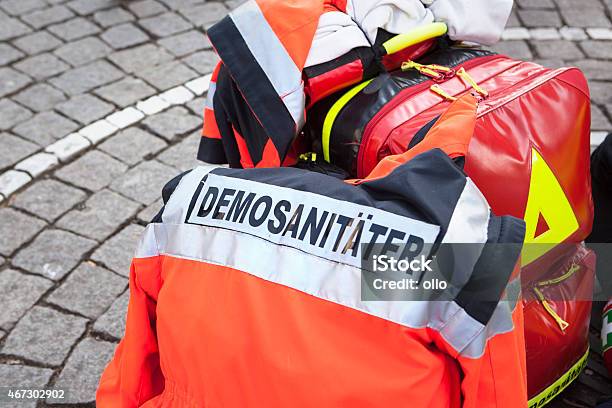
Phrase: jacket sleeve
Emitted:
{"points": [[493, 364], [498, 379], [133, 376]]}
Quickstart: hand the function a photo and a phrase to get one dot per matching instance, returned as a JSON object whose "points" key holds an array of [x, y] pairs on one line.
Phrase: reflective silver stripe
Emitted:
{"points": [[318, 277], [175, 210], [271, 56], [212, 88], [468, 224], [470, 219], [295, 103]]}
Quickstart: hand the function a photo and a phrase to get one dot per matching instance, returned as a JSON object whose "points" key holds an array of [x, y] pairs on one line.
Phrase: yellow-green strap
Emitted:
{"points": [[333, 113], [414, 36]]}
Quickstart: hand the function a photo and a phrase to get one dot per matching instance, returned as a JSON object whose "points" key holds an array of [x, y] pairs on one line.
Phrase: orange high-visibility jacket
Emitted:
{"points": [[245, 291]]}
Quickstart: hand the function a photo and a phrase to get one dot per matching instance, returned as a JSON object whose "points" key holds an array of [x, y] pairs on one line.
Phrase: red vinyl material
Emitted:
{"points": [[528, 108]]}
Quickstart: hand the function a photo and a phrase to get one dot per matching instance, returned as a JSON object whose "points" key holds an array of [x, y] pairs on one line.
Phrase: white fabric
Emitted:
{"points": [[477, 21], [394, 16], [336, 35]]}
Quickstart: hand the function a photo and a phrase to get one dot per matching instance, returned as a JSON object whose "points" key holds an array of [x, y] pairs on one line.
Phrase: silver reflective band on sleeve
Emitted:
{"points": [[470, 219], [327, 280], [212, 88], [175, 209], [272, 57]]}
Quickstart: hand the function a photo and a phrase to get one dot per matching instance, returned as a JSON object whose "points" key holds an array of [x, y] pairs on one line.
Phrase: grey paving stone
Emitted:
{"points": [[8, 54], [124, 35], [16, 229], [11, 28], [17, 7], [44, 128], [45, 17], [24, 377], [85, 108], [83, 51], [140, 58], [584, 16], [37, 42], [146, 8], [14, 149], [89, 290], [196, 105], [550, 63], [597, 49], [11, 81], [186, 43], [48, 199], [83, 370], [595, 69], [12, 113], [44, 335], [117, 252], [182, 156], [515, 49], [566, 50], [126, 91], [150, 211], [584, 3], [540, 18], [113, 16], [42, 66], [165, 24], [84, 7], [87, 171], [179, 4], [40, 97], [74, 29], [536, 4], [87, 77], [601, 92], [18, 293], [132, 145], [513, 20], [173, 123], [167, 75], [206, 14], [204, 61], [599, 121], [144, 182], [103, 213], [112, 322], [232, 4], [53, 253]]}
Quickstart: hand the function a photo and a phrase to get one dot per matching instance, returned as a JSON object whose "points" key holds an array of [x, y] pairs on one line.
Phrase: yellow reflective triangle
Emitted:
{"points": [[546, 198]]}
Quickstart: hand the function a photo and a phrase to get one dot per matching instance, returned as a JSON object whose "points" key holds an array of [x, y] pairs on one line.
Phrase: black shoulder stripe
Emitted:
{"points": [[254, 84], [483, 291]]}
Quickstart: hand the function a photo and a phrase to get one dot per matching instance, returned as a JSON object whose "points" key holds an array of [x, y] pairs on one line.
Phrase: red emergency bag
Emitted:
{"points": [[530, 158]]}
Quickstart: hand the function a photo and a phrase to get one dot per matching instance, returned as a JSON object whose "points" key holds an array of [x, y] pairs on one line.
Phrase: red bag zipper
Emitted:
{"points": [[405, 94]]}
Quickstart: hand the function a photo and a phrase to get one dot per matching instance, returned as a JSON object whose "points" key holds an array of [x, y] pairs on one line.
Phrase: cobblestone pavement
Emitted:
{"points": [[73, 205]]}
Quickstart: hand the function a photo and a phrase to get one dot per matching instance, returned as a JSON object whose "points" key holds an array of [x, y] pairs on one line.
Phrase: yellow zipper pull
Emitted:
{"points": [[562, 323], [437, 89], [309, 156], [462, 73], [441, 68], [573, 269]]}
